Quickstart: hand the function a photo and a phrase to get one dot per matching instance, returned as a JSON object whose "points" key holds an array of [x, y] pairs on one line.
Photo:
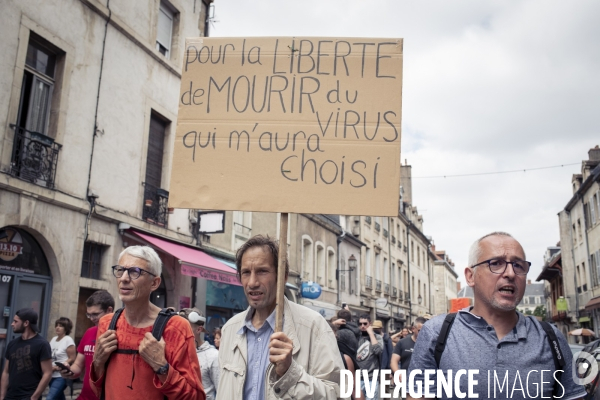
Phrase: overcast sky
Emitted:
{"points": [[488, 86]]}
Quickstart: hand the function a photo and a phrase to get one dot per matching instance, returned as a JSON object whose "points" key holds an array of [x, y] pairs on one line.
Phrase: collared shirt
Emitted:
{"points": [[258, 355], [508, 368]]}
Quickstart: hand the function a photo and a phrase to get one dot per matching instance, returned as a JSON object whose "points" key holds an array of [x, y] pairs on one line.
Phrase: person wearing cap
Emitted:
{"points": [[28, 365], [370, 347], [208, 356]]}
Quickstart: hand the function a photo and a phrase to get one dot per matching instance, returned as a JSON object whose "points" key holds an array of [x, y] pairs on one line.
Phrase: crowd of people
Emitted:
{"points": [[143, 352]]}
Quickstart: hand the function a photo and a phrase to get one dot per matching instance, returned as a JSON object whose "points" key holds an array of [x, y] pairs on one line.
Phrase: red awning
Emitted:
{"points": [[593, 303], [194, 262]]}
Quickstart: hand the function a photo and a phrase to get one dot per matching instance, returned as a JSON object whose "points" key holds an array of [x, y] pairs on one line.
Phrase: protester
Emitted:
{"points": [[401, 334], [217, 337], [302, 362], [404, 349], [28, 365], [344, 321], [388, 349], [347, 350], [492, 336], [208, 356], [141, 367], [98, 304], [370, 347], [63, 351]]}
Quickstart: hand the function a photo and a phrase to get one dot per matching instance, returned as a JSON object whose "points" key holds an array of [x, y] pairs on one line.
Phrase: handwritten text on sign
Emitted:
{"points": [[289, 125]]}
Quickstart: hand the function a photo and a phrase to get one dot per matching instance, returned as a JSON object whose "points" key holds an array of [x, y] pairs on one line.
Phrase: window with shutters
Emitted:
{"points": [[155, 207], [164, 31]]}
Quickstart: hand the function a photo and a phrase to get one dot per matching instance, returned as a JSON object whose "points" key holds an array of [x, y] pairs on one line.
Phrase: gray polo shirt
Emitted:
{"points": [[513, 364]]}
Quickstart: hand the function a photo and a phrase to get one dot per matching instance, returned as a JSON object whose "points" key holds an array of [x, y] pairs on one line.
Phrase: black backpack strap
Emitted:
{"points": [[440, 345], [113, 322], [161, 322], [559, 359], [112, 326]]}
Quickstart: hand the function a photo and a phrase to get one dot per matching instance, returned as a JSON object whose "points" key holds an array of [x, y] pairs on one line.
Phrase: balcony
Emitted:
{"points": [[377, 226], [368, 282], [393, 239], [400, 245], [155, 210], [241, 229], [368, 220], [385, 233], [386, 288], [400, 295], [34, 157], [378, 285]]}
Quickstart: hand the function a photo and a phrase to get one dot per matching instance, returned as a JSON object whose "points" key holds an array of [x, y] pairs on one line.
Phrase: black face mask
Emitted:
{"points": [[364, 333]]}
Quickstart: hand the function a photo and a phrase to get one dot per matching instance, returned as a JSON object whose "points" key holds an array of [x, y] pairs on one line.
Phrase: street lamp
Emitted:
{"points": [[420, 299], [352, 263]]}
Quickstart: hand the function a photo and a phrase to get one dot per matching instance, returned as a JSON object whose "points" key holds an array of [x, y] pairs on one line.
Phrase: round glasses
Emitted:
{"points": [[498, 266], [133, 272]]}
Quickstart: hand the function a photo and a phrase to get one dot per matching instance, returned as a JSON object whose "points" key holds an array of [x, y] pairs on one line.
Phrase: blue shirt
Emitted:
{"points": [[258, 355], [519, 357]]}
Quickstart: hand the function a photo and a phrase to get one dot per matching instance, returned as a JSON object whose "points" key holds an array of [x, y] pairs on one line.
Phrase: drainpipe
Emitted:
{"points": [[409, 277], [340, 239], [429, 276], [574, 267]]}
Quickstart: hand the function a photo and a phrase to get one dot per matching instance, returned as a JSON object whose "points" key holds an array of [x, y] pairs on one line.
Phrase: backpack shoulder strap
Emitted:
{"points": [[559, 360], [112, 326], [113, 322], [161, 322], [440, 345]]}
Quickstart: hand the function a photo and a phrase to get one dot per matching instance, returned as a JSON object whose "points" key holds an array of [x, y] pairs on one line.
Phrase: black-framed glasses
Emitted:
{"points": [[134, 272], [95, 315], [363, 323], [498, 266]]}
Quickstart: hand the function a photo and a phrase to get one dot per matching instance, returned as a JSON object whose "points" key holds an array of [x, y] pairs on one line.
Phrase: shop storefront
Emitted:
{"points": [[25, 280]]}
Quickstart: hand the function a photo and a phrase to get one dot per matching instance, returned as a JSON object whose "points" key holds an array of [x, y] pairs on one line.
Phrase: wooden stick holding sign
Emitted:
{"points": [[283, 228]]}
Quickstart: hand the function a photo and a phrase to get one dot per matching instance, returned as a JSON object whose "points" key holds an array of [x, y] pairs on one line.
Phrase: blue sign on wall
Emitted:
{"points": [[311, 290]]}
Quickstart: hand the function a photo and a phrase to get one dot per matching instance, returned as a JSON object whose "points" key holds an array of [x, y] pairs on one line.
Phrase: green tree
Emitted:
{"points": [[540, 311]]}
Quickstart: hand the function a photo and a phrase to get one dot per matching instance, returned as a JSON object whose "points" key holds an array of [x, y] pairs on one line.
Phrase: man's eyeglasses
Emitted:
{"points": [[95, 315], [498, 266], [363, 323], [134, 272]]}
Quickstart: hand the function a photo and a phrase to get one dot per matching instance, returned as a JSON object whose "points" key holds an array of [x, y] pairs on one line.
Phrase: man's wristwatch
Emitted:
{"points": [[162, 370]]}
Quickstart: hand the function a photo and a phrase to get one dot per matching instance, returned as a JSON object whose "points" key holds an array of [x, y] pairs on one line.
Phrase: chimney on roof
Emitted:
{"points": [[594, 154]]}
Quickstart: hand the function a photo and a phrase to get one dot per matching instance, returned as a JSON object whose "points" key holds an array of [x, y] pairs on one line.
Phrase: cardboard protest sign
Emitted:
{"points": [[304, 125]]}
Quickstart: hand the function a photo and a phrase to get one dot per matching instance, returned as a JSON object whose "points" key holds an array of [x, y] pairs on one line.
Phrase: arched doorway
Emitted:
{"points": [[25, 280]]}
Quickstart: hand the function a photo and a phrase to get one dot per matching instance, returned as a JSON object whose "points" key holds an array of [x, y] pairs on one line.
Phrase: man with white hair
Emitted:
{"points": [[516, 357], [142, 367]]}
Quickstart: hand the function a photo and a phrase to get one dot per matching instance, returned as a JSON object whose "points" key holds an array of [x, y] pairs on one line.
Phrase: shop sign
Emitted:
{"points": [[11, 244], [209, 274], [311, 290]]}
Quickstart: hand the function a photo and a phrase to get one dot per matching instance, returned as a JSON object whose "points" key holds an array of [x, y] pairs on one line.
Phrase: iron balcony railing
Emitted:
{"points": [[386, 288], [155, 207], [378, 285], [241, 229], [394, 292], [368, 282], [34, 157], [400, 295], [393, 239], [385, 232], [368, 220], [377, 226]]}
